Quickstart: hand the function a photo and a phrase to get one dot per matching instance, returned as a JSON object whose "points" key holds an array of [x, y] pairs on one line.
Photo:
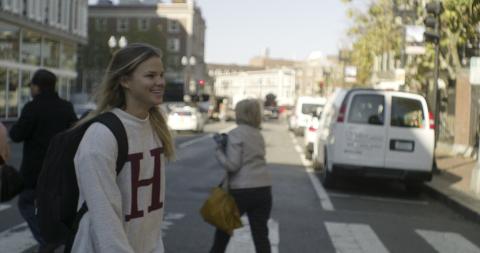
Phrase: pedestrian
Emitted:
{"points": [[125, 211], [40, 119], [4, 146], [249, 180]]}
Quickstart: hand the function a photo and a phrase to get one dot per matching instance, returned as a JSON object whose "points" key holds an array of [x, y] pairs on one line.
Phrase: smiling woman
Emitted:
{"points": [[133, 87]]}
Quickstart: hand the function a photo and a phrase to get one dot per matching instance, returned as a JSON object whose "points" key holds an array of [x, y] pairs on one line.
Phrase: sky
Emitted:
{"points": [[239, 30]]}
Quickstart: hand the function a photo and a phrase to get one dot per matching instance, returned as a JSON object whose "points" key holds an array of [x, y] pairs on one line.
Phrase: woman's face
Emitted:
{"points": [[144, 88]]}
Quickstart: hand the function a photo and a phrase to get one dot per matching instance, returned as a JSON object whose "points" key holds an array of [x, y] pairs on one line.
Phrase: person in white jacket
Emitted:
{"points": [[125, 211], [249, 180]]}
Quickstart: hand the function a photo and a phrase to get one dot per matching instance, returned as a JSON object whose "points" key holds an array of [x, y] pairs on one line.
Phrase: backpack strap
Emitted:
{"points": [[110, 120]]}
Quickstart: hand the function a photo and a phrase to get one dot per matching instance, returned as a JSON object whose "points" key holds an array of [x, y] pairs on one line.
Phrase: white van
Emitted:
{"points": [[375, 133], [304, 109]]}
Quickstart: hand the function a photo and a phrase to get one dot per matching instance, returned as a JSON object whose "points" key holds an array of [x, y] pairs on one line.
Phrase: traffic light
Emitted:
{"points": [[432, 22]]}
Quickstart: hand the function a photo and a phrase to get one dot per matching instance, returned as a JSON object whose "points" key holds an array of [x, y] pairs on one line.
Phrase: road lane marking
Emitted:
{"points": [[325, 201], [445, 242], [199, 139], [168, 221], [242, 242], [17, 239], [354, 238], [381, 199], [4, 207]]}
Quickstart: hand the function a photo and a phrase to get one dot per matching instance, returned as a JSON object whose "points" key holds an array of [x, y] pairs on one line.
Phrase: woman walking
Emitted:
{"points": [[249, 180]]}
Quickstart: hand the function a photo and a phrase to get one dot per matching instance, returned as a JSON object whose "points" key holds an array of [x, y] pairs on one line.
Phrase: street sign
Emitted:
{"points": [[475, 71]]}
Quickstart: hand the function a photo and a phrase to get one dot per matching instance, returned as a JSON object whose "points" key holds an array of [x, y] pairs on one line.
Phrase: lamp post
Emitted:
{"points": [[113, 43], [188, 62]]}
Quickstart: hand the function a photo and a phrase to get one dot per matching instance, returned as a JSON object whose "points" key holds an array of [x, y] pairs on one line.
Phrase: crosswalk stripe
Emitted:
{"points": [[242, 242], [4, 207], [17, 239], [354, 238], [445, 242]]}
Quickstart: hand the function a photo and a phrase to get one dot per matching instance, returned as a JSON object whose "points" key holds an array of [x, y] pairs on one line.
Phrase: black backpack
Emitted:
{"points": [[57, 189]]}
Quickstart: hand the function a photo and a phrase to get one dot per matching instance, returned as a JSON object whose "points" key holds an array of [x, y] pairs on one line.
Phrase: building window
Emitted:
{"points": [[31, 45], [173, 61], [173, 26], [122, 25], [68, 59], [51, 53], [9, 42], [143, 24], [101, 24], [173, 44]]}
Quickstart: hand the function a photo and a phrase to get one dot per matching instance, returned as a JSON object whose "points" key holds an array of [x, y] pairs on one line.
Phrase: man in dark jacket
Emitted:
{"points": [[42, 118]]}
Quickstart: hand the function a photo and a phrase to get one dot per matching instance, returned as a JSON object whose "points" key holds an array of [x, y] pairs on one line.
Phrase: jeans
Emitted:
{"points": [[257, 204], [26, 205]]}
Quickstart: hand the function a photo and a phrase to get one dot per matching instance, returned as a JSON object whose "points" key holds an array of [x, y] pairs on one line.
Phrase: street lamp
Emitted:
{"points": [[187, 62], [113, 42]]}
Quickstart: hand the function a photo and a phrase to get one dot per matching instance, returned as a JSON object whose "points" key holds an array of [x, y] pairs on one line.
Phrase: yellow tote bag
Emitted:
{"points": [[221, 211]]}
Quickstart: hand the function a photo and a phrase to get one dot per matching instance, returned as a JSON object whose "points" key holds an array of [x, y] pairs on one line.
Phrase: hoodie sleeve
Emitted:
{"points": [[95, 169], [232, 159]]}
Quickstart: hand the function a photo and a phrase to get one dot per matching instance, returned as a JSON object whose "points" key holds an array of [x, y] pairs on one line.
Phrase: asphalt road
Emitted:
{"points": [[358, 216]]}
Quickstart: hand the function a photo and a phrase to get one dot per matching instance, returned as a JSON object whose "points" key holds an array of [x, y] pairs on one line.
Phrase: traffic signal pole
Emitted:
{"points": [[433, 34], [436, 74]]}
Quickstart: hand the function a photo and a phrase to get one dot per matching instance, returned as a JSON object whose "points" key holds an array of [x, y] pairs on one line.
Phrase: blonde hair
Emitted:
{"points": [[249, 112], [112, 95]]}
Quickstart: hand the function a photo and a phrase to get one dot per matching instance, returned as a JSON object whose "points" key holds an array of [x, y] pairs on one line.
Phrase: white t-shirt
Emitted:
{"points": [[125, 212]]}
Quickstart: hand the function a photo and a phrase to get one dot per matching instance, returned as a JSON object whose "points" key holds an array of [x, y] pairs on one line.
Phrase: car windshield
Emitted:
{"points": [[310, 108], [407, 112]]}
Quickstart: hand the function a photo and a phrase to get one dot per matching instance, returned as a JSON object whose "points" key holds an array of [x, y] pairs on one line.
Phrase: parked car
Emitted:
{"points": [[310, 132], [185, 118], [375, 133], [83, 109], [302, 113]]}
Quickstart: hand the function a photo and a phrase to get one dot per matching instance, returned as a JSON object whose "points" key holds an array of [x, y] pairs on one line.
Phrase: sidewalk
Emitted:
{"points": [[452, 183]]}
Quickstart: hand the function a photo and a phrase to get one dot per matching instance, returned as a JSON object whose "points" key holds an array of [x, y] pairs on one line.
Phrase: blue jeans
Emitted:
{"points": [[26, 205]]}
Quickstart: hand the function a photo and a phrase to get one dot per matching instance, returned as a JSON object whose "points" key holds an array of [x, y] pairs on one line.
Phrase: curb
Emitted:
{"points": [[455, 204]]}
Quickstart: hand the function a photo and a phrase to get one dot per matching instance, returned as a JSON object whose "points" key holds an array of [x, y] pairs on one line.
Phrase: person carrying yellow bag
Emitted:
{"points": [[249, 181]]}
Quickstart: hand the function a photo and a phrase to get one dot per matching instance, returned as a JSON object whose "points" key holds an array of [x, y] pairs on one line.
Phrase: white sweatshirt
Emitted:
{"points": [[125, 212]]}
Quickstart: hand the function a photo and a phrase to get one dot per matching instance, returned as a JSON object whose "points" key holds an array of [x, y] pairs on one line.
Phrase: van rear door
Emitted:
{"points": [[410, 137], [362, 140]]}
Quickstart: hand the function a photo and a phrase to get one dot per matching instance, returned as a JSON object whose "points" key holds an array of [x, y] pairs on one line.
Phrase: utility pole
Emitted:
{"points": [[432, 34]]}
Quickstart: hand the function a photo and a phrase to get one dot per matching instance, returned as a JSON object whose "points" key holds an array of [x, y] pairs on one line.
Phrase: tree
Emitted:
{"points": [[373, 33]]}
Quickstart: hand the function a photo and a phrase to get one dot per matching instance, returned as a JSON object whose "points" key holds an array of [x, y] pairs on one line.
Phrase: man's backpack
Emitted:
{"points": [[57, 189]]}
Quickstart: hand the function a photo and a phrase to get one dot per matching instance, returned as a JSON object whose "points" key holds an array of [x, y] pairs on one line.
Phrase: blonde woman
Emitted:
{"points": [[125, 211], [249, 180]]}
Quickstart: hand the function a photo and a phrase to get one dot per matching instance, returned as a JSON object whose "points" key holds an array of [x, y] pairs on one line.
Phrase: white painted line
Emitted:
{"points": [[168, 221], [444, 242], [199, 139], [190, 142], [380, 199], [298, 149], [321, 193], [354, 238], [317, 186], [17, 239], [242, 242], [228, 129], [4, 207]]}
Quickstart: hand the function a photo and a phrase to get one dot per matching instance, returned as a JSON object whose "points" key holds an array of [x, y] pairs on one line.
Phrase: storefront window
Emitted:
{"points": [[3, 92], [9, 42], [68, 58], [12, 94], [25, 95], [31, 48], [51, 51], [63, 88]]}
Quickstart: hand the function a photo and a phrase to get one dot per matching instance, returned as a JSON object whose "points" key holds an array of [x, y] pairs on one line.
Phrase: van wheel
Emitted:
{"points": [[414, 188], [326, 176]]}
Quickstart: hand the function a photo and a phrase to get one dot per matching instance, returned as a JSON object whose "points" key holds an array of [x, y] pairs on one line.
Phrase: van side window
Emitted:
{"points": [[407, 112], [367, 109]]}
